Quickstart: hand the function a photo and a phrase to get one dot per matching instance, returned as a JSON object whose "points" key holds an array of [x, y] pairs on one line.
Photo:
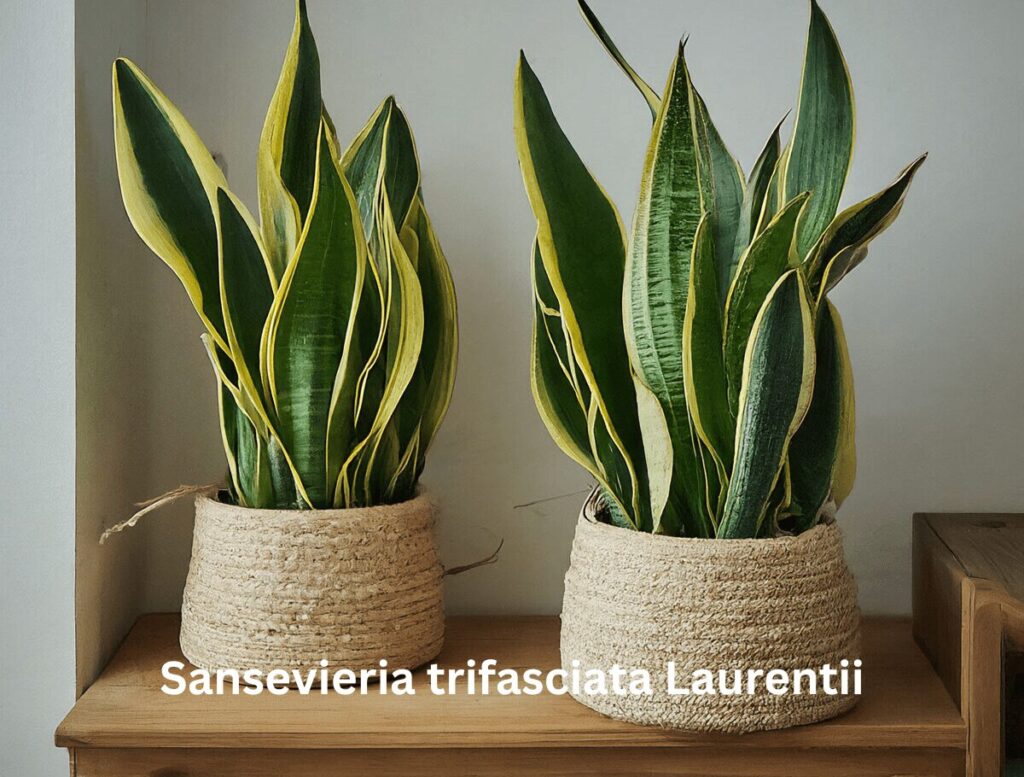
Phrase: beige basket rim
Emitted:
{"points": [[423, 500], [728, 546]]}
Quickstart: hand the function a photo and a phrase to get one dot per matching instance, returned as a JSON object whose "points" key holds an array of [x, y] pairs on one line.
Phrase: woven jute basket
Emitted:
{"points": [[270, 589], [640, 600]]}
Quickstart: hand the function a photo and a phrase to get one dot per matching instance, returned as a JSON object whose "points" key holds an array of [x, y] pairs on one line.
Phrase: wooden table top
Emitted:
{"points": [[904, 704], [989, 546]]}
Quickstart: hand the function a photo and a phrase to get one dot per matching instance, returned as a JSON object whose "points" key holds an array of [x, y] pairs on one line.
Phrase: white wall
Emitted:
{"points": [[37, 383], [934, 317], [140, 432]]}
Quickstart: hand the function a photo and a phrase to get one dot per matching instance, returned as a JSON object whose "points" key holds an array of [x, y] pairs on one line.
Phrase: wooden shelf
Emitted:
{"points": [[906, 723], [968, 615]]}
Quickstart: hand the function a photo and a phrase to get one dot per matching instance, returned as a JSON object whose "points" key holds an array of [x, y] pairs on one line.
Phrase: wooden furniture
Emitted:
{"points": [[968, 616], [905, 724]]}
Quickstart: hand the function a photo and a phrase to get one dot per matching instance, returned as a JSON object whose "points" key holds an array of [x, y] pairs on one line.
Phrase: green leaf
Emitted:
{"points": [[384, 150], [439, 354], [615, 470], [583, 252], [283, 481], [772, 253], [362, 161], [253, 468], [553, 326], [401, 165], [649, 95], [288, 145], [227, 413], [371, 333], [658, 455], [773, 196], [381, 164], [815, 447], [710, 484], [778, 504], [569, 411], [247, 295], [567, 406], [310, 327], [243, 436], [391, 366], [381, 462], [658, 275], [246, 289], [722, 191], [332, 131], [846, 465], [841, 265], [342, 434], [426, 399], [822, 145], [703, 365], [402, 484], [778, 374], [845, 471], [865, 220], [839, 249], [262, 473], [169, 184], [556, 398], [756, 193]]}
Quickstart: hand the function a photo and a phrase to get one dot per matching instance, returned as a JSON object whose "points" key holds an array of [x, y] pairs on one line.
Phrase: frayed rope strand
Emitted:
{"points": [[156, 503], [481, 563]]}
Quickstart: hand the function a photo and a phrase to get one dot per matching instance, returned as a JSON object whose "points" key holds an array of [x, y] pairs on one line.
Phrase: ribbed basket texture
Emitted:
{"points": [[640, 600], [271, 589]]}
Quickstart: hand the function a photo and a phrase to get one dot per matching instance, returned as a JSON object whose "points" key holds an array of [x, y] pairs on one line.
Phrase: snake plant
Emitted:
{"points": [[697, 368], [331, 325]]}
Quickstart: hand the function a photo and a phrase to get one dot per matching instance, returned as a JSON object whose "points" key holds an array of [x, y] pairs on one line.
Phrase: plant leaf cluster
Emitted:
{"points": [[331, 325], [695, 365]]}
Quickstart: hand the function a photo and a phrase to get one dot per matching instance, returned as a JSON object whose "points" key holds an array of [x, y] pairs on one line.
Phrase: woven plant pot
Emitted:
{"points": [[271, 589], [641, 600]]}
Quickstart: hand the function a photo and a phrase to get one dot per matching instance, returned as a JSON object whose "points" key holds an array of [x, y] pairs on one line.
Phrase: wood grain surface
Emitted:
{"points": [[989, 546], [516, 762], [937, 580]]}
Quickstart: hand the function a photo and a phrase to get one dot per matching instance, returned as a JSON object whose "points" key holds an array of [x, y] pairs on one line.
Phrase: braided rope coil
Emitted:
{"points": [[283, 589], [641, 601]]}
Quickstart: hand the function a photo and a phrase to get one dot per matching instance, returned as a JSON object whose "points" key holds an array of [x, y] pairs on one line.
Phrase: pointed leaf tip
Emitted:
{"points": [[525, 71], [123, 68], [649, 95], [821, 148]]}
